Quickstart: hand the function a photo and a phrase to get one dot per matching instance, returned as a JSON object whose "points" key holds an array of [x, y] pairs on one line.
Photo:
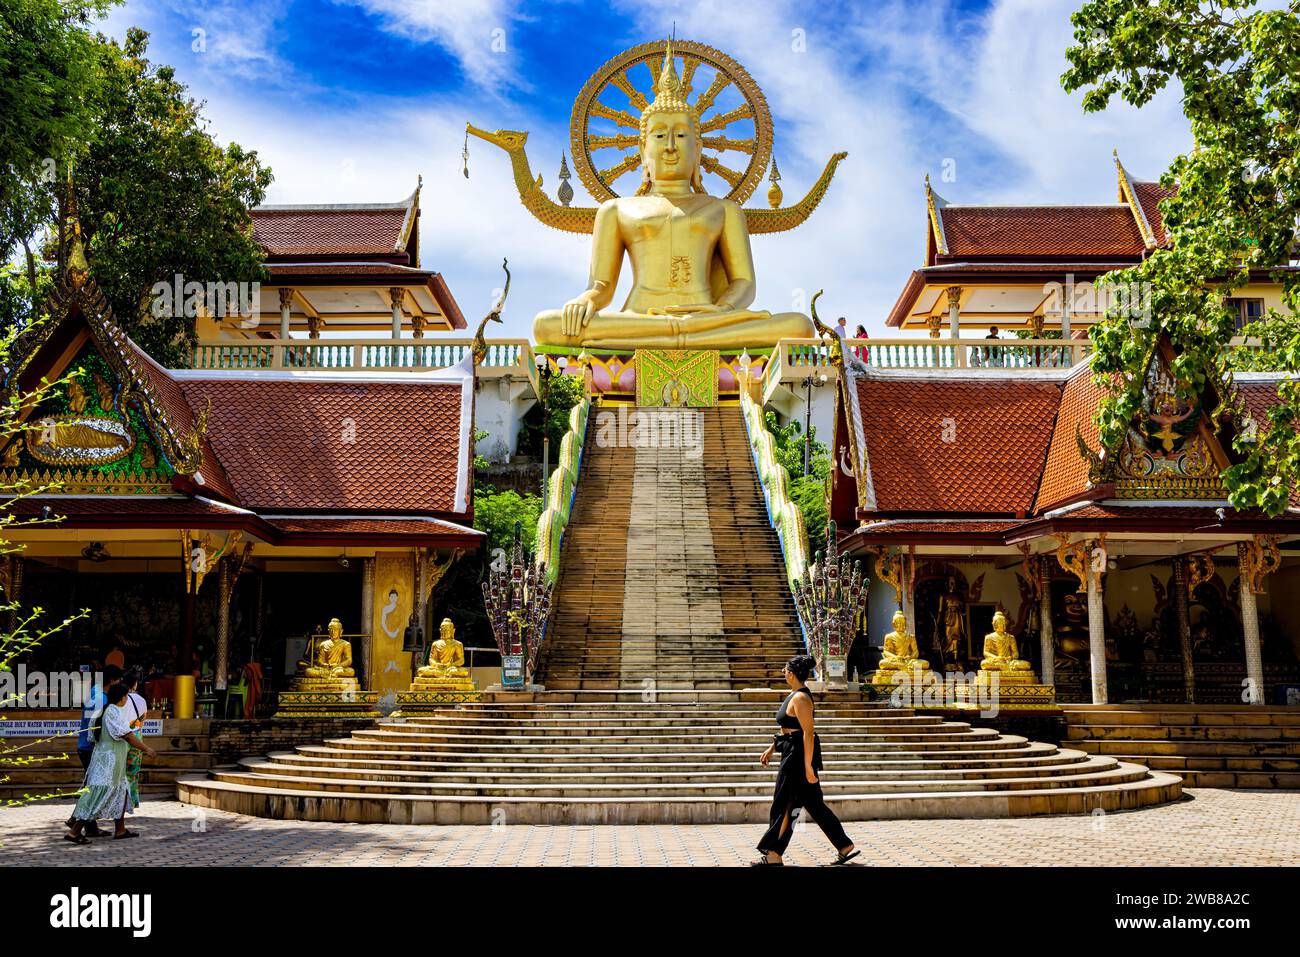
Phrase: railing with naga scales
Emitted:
{"points": [[560, 489], [782, 512]]}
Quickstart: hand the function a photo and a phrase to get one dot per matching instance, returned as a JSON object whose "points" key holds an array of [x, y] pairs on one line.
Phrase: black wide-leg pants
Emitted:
{"points": [[794, 792]]}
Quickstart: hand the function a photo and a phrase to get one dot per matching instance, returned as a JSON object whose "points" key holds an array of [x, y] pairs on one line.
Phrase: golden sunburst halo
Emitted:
{"points": [[735, 122]]}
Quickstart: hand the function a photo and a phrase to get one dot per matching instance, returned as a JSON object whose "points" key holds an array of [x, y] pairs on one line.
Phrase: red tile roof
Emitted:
{"points": [[345, 445], [984, 231], [1065, 473], [345, 231], [1148, 195], [947, 444]]}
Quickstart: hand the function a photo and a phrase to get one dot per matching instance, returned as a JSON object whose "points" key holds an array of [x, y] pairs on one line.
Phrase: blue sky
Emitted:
{"points": [[349, 101]]}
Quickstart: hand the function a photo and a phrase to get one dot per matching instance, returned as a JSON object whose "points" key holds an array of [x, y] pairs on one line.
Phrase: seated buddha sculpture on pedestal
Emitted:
{"points": [[692, 268], [1001, 653], [899, 658], [445, 669], [328, 665]]}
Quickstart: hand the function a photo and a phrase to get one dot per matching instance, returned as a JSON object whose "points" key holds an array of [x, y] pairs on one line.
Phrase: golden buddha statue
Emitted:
{"points": [[328, 665], [692, 268], [900, 657], [1001, 653], [445, 669]]}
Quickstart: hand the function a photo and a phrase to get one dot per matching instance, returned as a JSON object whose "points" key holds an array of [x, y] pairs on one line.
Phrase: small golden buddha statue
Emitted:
{"points": [[692, 267], [1001, 653], [445, 669], [328, 665], [900, 657]]}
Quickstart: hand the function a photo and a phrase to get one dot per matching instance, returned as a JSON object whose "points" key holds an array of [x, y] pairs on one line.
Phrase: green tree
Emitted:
{"points": [[808, 492], [158, 196], [1236, 207], [49, 70]]}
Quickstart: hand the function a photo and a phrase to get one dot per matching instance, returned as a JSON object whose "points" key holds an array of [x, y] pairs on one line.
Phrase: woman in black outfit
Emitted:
{"points": [[797, 785]]}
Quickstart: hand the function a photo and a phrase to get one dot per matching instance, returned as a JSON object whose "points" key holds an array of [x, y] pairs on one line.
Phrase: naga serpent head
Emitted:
{"points": [[508, 140]]}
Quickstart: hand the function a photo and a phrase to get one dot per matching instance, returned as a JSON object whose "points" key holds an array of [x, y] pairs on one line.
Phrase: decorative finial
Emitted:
{"points": [[774, 191], [668, 91], [565, 192], [75, 264], [464, 154]]}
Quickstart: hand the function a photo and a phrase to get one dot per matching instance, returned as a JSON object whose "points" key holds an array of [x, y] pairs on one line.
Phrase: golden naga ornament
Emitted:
{"points": [[689, 251]]}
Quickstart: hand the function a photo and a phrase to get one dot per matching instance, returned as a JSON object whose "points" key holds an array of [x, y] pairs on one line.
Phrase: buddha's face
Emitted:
{"points": [[671, 149], [446, 629], [1000, 623], [335, 628], [900, 622]]}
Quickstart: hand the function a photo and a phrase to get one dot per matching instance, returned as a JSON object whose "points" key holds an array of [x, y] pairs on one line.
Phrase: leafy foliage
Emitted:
{"points": [[808, 492], [563, 392], [156, 194], [1236, 208], [496, 513]]}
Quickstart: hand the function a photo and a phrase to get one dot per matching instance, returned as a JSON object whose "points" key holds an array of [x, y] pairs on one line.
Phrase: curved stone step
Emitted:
{"points": [[306, 805], [264, 774]]}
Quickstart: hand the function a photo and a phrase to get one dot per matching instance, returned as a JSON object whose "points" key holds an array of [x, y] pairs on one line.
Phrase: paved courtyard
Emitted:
{"points": [[1208, 828]]}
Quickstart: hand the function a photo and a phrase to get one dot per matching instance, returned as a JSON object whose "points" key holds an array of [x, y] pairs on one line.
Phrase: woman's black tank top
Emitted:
{"points": [[784, 719]]}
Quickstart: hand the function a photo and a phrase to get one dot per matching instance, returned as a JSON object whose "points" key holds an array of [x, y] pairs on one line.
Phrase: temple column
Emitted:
{"points": [[1246, 568], [1181, 598], [286, 306], [1046, 642], [222, 667], [367, 615], [395, 296], [1097, 631], [954, 324], [1065, 312]]}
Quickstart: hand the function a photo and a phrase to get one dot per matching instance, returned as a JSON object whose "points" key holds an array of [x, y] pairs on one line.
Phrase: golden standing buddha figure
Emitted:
{"points": [[328, 665], [1001, 654], [900, 656], [692, 267], [445, 670]]}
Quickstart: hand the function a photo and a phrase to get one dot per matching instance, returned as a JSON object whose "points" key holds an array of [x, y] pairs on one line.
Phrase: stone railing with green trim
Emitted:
{"points": [[560, 490], [781, 510]]}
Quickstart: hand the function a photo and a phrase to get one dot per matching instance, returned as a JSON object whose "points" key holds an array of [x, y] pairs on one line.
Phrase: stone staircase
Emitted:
{"points": [[677, 759], [1222, 746], [671, 575]]}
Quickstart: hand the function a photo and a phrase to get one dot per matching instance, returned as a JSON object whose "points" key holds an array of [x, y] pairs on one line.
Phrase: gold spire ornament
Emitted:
{"points": [[464, 156], [565, 192], [774, 194]]}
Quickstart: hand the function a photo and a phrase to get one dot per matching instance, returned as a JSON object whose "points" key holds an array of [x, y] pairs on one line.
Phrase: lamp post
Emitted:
{"points": [[808, 384], [544, 371]]}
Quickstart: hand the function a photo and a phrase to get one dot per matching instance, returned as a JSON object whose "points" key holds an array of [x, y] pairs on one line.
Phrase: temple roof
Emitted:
{"points": [[346, 230], [987, 455], [1040, 231], [295, 442]]}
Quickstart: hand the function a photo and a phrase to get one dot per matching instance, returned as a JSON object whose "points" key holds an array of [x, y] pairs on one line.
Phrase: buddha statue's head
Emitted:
{"points": [[900, 622], [999, 622], [335, 628], [670, 140], [446, 631]]}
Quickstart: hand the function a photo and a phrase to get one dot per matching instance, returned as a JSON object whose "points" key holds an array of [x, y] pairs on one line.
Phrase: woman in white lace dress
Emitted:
{"points": [[108, 792]]}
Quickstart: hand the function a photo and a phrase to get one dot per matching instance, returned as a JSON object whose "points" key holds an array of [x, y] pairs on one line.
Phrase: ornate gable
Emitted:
{"points": [[1172, 449], [109, 428]]}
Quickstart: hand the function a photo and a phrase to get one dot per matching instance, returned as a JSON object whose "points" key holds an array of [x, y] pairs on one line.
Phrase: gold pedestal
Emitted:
{"points": [[444, 684], [427, 694], [339, 685], [893, 676], [1007, 677]]}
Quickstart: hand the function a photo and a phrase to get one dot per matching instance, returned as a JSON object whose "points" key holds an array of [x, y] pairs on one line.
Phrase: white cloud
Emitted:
{"points": [[476, 32]]}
